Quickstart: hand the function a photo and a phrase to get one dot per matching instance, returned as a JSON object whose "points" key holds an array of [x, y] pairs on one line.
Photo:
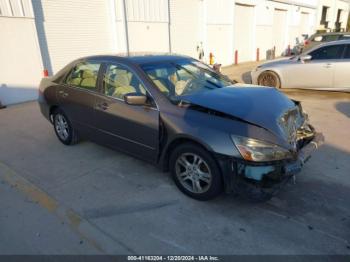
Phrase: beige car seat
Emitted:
{"points": [[122, 83], [88, 79]]}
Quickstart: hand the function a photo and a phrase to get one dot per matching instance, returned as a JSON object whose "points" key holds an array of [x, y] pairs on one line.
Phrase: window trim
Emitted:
{"points": [[102, 88]]}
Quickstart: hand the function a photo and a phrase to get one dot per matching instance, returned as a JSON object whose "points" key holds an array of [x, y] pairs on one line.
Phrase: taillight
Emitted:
{"points": [[306, 42]]}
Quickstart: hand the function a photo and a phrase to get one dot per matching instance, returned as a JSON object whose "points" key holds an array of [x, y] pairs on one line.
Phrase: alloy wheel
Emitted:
{"points": [[193, 173], [61, 126], [268, 79]]}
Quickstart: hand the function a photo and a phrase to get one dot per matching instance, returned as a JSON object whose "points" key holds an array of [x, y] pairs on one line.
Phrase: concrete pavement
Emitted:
{"points": [[116, 204]]}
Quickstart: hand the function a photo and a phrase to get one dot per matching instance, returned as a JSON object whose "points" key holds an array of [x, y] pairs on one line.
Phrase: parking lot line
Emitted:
{"points": [[86, 230]]}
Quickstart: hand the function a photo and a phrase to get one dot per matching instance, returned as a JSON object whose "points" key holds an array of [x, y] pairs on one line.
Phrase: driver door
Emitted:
{"points": [[130, 128]]}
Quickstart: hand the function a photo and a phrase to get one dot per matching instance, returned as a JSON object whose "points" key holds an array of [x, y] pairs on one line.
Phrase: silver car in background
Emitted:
{"points": [[325, 67]]}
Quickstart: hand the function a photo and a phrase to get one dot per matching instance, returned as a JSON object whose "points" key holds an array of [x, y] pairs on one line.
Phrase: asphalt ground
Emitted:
{"points": [[87, 199]]}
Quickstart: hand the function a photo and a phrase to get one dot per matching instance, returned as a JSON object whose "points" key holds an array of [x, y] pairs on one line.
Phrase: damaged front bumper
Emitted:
{"points": [[262, 180]]}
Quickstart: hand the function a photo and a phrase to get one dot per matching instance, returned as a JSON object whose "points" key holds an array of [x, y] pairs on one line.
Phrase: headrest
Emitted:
{"points": [[87, 74], [122, 78]]}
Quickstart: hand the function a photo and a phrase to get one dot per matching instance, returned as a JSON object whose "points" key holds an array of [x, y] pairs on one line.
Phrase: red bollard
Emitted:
{"points": [[46, 73], [257, 54], [236, 57]]}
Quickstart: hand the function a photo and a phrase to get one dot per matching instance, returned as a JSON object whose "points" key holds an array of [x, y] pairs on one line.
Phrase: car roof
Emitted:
{"points": [[139, 58], [332, 33], [337, 42]]}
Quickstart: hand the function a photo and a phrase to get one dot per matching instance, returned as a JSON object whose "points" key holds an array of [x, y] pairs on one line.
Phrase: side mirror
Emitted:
{"points": [[305, 58], [135, 99]]}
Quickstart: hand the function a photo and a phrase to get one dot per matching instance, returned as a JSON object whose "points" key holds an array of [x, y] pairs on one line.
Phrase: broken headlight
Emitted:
{"points": [[259, 151]]}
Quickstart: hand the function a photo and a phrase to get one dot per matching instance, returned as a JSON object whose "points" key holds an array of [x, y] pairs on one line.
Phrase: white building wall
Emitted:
{"points": [[20, 60], [275, 31], [244, 31], [219, 30], [147, 25], [333, 5], [65, 29], [71, 29], [186, 26]]}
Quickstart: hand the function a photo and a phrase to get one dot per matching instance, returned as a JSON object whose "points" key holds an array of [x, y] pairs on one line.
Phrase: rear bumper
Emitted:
{"points": [[246, 177]]}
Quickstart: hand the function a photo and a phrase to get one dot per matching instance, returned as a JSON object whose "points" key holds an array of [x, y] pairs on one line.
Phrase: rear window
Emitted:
{"points": [[327, 38]]}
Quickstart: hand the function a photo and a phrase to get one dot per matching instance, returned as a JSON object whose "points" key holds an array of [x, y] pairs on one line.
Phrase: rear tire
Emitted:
{"points": [[269, 78], [195, 172], [64, 129]]}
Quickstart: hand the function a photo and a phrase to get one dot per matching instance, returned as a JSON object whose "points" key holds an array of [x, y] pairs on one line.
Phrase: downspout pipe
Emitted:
{"points": [[126, 28]]}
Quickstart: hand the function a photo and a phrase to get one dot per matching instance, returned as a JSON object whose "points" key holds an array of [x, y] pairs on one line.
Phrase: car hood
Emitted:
{"points": [[262, 106], [282, 61]]}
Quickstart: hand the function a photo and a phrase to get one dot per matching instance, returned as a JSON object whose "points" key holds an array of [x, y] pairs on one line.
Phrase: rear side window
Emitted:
{"points": [[84, 75], [328, 38], [328, 52]]}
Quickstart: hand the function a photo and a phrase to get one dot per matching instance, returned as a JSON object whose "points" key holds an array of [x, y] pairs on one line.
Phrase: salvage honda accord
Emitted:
{"points": [[181, 115]]}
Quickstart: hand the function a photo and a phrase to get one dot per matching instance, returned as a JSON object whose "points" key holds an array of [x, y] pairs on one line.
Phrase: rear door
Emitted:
{"points": [[342, 69], [318, 72], [130, 128], [77, 94]]}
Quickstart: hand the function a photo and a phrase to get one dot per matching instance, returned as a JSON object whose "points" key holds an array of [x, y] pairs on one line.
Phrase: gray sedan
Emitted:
{"points": [[182, 116], [325, 67]]}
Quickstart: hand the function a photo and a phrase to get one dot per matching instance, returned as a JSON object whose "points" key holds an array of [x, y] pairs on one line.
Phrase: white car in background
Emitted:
{"points": [[325, 67]]}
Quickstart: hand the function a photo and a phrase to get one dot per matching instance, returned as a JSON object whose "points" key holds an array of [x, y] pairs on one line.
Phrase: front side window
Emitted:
{"points": [[119, 81], [328, 52], [84, 75], [176, 79]]}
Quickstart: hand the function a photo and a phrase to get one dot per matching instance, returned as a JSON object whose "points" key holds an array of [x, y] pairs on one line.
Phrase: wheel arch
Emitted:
{"points": [[168, 149], [52, 110], [275, 71]]}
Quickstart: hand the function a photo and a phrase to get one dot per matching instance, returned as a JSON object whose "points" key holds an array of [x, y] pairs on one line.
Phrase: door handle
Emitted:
{"points": [[103, 106], [62, 93], [328, 65]]}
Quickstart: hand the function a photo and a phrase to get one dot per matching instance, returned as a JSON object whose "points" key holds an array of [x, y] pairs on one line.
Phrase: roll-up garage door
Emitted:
{"points": [[243, 32], [304, 24], [71, 29], [148, 27], [186, 27], [279, 31], [219, 30]]}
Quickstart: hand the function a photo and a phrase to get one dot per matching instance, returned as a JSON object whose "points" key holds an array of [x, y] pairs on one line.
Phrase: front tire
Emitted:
{"points": [[195, 172], [269, 78], [64, 129]]}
